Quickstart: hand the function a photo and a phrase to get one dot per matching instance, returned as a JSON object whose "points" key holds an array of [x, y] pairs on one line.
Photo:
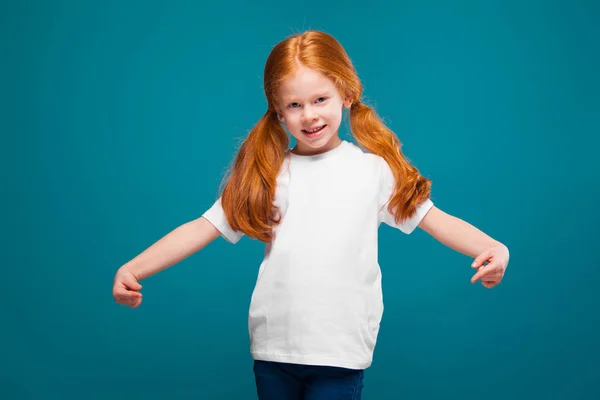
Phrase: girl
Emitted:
{"points": [[315, 311]]}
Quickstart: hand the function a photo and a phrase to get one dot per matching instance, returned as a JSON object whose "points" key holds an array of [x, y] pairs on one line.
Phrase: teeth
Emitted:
{"points": [[313, 130]]}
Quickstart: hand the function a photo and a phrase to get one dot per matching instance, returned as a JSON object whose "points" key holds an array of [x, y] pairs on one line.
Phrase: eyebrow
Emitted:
{"points": [[319, 94]]}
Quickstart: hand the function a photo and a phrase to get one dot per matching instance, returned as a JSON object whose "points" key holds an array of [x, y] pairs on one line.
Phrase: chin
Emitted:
{"points": [[315, 146]]}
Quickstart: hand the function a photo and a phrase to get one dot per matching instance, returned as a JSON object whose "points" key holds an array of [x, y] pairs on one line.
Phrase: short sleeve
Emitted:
{"points": [[216, 216], [387, 184]]}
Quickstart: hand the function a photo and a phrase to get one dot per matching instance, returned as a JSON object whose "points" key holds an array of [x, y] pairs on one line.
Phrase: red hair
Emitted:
{"points": [[249, 192]]}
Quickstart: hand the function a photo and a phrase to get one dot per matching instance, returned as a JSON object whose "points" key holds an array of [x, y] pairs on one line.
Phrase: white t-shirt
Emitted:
{"points": [[318, 297]]}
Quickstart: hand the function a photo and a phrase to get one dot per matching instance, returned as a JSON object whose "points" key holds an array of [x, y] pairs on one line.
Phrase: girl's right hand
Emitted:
{"points": [[126, 289]]}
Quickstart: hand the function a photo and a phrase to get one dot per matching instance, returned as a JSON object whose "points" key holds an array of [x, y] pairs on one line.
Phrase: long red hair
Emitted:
{"points": [[249, 191]]}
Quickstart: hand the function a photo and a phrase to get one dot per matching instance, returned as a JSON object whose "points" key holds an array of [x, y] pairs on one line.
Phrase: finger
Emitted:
{"points": [[123, 300], [123, 292], [489, 284], [492, 279], [495, 271], [128, 298], [136, 302], [131, 283], [481, 258], [483, 271]]}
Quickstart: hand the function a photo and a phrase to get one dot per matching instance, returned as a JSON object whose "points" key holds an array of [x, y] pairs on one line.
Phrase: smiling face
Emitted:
{"points": [[311, 107]]}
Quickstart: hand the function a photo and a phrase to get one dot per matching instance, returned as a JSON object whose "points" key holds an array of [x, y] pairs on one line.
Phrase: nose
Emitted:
{"points": [[309, 115]]}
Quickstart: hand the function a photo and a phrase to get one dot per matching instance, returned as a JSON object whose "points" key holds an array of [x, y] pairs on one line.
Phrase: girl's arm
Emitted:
{"points": [[470, 241], [456, 233], [177, 245]]}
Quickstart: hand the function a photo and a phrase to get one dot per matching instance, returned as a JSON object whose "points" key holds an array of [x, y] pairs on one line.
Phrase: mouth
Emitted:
{"points": [[313, 131]]}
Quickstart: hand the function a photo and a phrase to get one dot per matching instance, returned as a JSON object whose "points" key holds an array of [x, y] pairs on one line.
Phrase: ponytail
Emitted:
{"points": [[411, 189], [248, 194]]}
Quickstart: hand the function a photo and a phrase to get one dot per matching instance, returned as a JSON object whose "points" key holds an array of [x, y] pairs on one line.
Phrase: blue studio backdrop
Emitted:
{"points": [[119, 119]]}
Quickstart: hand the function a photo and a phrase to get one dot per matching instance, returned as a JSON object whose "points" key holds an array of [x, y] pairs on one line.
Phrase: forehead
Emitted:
{"points": [[305, 83]]}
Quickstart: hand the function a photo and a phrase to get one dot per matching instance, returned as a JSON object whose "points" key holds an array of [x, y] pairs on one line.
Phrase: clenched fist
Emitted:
{"points": [[126, 289]]}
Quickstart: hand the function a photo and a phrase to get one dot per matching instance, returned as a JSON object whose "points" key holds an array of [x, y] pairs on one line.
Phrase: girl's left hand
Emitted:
{"points": [[492, 273]]}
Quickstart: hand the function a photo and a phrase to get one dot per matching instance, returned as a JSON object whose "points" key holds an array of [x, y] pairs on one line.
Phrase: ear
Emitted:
{"points": [[279, 115], [347, 102]]}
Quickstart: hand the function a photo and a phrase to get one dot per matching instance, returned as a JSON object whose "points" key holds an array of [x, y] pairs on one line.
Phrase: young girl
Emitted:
{"points": [[315, 311]]}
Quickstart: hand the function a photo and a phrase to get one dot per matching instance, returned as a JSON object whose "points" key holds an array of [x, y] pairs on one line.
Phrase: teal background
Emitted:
{"points": [[118, 120]]}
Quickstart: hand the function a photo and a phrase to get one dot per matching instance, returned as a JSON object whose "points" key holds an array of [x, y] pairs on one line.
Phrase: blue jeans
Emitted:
{"points": [[279, 381]]}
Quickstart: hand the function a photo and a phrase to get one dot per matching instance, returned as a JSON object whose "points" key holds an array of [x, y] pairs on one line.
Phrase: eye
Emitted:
{"points": [[293, 105], [321, 99]]}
